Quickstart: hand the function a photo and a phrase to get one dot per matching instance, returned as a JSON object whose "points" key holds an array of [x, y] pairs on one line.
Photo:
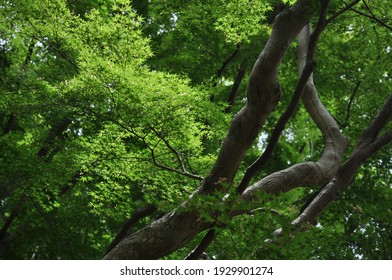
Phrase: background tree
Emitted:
{"points": [[168, 129]]}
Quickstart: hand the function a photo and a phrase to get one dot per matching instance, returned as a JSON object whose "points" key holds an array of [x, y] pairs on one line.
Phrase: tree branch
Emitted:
{"points": [[227, 62], [382, 140], [178, 156], [170, 148], [279, 127], [308, 173], [234, 90], [54, 133], [167, 168], [351, 102], [345, 9], [376, 125], [30, 51], [10, 124], [372, 17], [202, 247], [14, 213], [137, 215], [365, 148]]}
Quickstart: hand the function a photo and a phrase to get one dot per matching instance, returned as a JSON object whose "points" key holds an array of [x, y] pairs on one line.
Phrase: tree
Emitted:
{"points": [[156, 129]]}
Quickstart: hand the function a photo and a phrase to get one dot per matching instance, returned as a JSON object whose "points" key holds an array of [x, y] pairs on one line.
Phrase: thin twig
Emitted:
{"points": [[372, 17], [226, 63], [179, 158], [351, 102], [234, 90], [167, 168], [345, 9]]}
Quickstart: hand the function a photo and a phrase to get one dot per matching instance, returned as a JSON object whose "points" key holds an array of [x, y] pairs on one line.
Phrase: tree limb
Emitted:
{"points": [[234, 90], [351, 102], [372, 17], [138, 214], [366, 146], [263, 94], [377, 124], [227, 62], [10, 124], [14, 213], [156, 163], [345, 9], [308, 173], [202, 247]]}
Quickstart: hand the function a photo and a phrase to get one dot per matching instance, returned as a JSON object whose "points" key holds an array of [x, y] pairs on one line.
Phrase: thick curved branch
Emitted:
{"points": [[262, 160], [367, 146], [308, 173], [263, 94], [306, 70]]}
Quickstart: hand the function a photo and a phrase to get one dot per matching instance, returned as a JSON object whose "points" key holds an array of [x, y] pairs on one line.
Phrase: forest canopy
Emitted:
{"points": [[220, 129]]}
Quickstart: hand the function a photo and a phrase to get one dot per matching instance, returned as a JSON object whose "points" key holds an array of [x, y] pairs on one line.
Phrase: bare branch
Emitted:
{"points": [[262, 160], [372, 17], [291, 108], [345, 9], [227, 62], [351, 102], [234, 90], [263, 94], [202, 247], [179, 158], [368, 8], [170, 148], [167, 168], [383, 140], [308, 173], [366, 147], [376, 125]]}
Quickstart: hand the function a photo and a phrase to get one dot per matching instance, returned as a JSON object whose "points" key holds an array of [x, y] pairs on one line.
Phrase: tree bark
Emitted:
{"points": [[308, 173], [367, 145]]}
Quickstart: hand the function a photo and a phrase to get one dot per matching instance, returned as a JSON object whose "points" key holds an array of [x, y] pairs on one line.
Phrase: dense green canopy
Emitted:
{"points": [[113, 112]]}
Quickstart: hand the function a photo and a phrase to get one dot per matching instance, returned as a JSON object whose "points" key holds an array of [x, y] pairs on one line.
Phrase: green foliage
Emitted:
{"points": [[242, 19], [86, 124], [107, 106]]}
